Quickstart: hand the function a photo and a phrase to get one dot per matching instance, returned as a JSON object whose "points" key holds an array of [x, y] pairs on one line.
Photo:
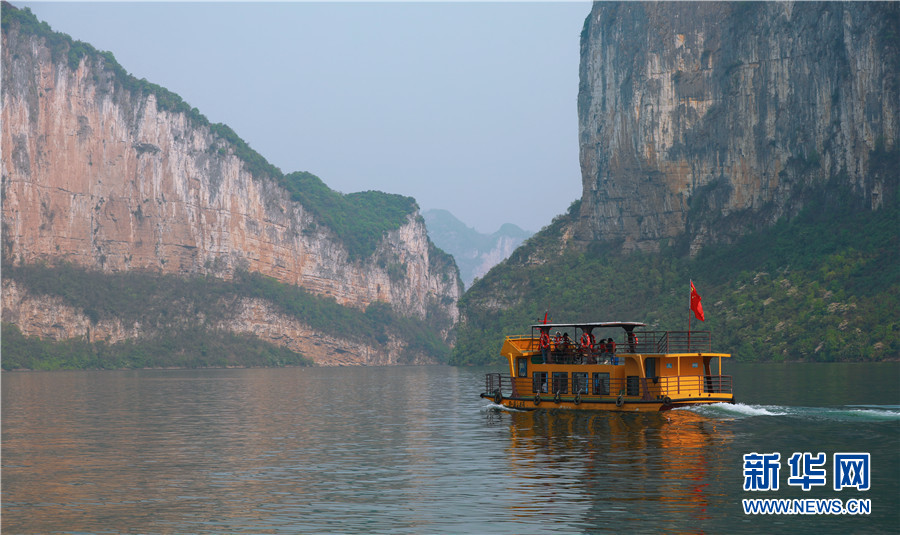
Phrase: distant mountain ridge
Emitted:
{"points": [[475, 253]]}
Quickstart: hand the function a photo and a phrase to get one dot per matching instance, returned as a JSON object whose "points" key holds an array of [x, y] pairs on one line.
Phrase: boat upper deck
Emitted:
{"points": [[630, 341]]}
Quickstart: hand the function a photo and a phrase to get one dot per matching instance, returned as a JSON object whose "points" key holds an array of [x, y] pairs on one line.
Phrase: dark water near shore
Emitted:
{"points": [[415, 450]]}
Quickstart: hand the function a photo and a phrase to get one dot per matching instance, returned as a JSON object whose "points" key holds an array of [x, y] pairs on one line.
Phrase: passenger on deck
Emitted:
{"points": [[557, 347], [632, 340], [545, 346], [585, 348]]}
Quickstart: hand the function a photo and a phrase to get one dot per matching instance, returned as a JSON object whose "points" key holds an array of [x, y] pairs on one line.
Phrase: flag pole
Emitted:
{"points": [[690, 311]]}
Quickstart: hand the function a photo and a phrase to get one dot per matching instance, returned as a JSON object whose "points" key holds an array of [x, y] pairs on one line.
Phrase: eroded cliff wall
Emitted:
{"points": [[705, 120], [102, 176]]}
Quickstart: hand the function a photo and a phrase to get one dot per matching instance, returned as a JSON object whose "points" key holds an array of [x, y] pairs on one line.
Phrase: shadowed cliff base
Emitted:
{"points": [[74, 318], [196, 348]]}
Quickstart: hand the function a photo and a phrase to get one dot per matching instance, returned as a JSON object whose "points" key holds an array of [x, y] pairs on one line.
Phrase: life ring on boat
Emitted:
{"points": [[537, 399], [578, 398], [556, 398], [545, 340], [498, 397], [667, 401], [585, 341], [620, 401]]}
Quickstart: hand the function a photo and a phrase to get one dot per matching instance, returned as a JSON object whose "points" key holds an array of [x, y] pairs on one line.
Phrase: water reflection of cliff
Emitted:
{"points": [[651, 468]]}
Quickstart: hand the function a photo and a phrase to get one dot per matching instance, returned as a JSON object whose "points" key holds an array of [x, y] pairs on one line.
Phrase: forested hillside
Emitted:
{"points": [[824, 286]]}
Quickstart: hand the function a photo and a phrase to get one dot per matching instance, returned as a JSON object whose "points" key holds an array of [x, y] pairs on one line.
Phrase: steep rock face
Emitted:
{"points": [[707, 119], [103, 177]]}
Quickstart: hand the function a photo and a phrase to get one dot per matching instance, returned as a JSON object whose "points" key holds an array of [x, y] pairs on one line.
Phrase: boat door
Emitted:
{"points": [[650, 366]]}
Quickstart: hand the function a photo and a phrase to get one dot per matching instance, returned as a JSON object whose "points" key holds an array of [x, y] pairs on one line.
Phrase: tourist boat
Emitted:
{"points": [[583, 366]]}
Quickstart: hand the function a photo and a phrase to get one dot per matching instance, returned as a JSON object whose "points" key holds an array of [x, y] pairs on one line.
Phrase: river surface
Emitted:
{"points": [[415, 450]]}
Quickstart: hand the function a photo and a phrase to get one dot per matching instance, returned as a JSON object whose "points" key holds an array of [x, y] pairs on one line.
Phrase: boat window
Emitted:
{"points": [[523, 367], [540, 382], [601, 383], [580, 382], [632, 385], [560, 382]]}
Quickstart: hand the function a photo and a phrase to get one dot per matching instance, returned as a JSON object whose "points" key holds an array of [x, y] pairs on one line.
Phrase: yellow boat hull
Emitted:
{"points": [[606, 403]]}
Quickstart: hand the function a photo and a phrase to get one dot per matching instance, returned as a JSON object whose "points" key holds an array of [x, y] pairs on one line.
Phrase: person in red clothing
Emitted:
{"points": [[611, 349], [545, 345], [632, 341]]}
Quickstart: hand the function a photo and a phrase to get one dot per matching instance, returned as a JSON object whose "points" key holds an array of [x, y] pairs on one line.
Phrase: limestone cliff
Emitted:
{"points": [[704, 120], [99, 173]]}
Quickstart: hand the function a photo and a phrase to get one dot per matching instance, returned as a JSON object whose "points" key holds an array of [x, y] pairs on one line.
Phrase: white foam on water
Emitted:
{"points": [[494, 407], [887, 412], [847, 413], [739, 410]]}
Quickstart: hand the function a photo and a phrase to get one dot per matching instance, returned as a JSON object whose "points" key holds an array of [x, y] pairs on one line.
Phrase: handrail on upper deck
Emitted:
{"points": [[654, 342], [663, 342], [513, 338]]}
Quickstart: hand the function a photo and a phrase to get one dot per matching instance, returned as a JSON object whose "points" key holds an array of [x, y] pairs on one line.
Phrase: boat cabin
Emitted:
{"points": [[609, 366]]}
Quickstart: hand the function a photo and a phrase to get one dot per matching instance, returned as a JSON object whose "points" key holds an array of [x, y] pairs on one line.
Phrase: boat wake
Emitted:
{"points": [[846, 413], [493, 407]]}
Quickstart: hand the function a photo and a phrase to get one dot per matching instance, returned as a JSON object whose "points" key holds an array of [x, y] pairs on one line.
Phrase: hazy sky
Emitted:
{"points": [[466, 106]]}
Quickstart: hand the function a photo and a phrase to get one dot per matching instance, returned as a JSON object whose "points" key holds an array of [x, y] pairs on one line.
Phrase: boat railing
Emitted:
{"points": [[659, 342], [532, 343], [707, 384], [600, 384], [663, 342], [498, 382]]}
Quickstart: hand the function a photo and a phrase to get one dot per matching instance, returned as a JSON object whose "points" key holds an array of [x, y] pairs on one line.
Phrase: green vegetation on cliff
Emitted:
{"points": [[358, 219], [189, 348], [178, 316], [824, 286]]}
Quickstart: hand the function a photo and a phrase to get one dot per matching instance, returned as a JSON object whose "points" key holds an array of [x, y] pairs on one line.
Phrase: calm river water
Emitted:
{"points": [[415, 450]]}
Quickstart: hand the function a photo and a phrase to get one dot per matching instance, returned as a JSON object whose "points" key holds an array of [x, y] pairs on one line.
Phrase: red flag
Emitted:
{"points": [[695, 303], [545, 317]]}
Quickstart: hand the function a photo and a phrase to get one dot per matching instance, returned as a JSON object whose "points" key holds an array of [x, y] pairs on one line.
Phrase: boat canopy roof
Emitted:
{"points": [[627, 325]]}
